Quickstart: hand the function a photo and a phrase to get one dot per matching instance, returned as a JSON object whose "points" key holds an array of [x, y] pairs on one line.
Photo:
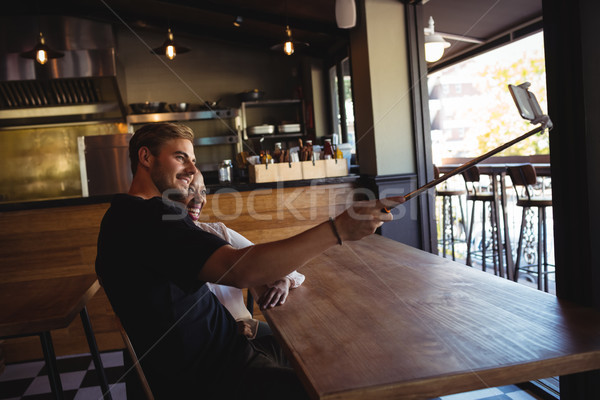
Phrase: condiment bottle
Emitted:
{"points": [[338, 152], [277, 152], [328, 150], [265, 158]]}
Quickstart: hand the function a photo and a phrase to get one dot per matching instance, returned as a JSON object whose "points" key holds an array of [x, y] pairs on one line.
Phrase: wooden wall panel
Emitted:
{"points": [[61, 241]]}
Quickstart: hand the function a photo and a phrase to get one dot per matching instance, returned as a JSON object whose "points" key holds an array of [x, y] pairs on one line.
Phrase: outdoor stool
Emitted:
{"points": [[476, 193], [523, 178], [449, 215]]}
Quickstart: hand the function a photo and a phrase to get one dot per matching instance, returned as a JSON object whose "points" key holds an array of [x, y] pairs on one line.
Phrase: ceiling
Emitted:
{"points": [[495, 22], [311, 21]]}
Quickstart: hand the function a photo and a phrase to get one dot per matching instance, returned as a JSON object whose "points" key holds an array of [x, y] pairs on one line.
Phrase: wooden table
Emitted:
{"points": [[376, 319], [35, 307]]}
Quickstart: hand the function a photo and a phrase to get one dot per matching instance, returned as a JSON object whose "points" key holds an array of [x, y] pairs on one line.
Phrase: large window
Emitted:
{"points": [[471, 109], [342, 105]]}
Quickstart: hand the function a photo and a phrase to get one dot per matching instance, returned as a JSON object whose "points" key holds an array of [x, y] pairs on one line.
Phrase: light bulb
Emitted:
{"points": [[288, 48], [170, 52], [434, 51], [41, 56]]}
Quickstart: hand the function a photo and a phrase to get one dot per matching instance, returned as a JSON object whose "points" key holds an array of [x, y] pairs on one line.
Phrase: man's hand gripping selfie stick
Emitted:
{"points": [[528, 108]]}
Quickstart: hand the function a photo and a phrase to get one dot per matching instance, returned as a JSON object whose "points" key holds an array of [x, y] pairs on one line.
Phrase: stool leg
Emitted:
{"points": [[89, 333], [462, 215], [452, 228], [483, 244], [494, 238], [545, 248], [539, 250], [519, 246], [499, 242], [444, 226], [470, 235], [50, 357]]}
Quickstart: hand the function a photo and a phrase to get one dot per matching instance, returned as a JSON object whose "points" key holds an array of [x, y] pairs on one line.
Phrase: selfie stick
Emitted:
{"points": [[543, 120]]}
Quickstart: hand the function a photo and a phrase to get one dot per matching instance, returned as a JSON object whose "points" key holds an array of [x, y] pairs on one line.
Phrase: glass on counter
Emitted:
{"points": [[225, 171]]}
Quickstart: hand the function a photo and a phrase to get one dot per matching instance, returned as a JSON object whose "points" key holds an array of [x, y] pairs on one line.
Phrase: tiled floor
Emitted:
{"points": [[510, 392], [28, 381]]}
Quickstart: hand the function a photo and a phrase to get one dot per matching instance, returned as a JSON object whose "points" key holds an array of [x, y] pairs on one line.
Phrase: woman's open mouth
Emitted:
{"points": [[194, 211]]}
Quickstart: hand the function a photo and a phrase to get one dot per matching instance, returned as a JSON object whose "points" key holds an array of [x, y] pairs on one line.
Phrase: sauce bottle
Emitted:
{"points": [[277, 152], [328, 150]]}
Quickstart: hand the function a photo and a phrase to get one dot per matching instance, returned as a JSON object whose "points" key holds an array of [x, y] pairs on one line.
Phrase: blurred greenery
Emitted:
{"points": [[499, 128], [472, 110]]}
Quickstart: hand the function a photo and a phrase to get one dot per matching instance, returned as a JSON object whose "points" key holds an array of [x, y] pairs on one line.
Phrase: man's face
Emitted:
{"points": [[173, 168]]}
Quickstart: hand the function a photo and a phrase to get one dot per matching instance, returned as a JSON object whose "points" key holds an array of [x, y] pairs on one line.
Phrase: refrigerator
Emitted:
{"points": [[104, 164]]}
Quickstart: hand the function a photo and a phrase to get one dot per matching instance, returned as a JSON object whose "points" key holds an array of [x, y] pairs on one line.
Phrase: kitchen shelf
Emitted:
{"points": [[292, 107], [277, 136], [267, 103], [182, 116], [215, 140]]}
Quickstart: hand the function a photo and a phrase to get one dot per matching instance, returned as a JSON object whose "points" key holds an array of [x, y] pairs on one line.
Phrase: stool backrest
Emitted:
{"points": [[523, 178], [472, 180], [436, 175]]}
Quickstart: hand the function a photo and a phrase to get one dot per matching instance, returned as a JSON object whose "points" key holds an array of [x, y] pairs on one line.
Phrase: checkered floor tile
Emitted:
{"points": [[29, 380], [511, 392]]}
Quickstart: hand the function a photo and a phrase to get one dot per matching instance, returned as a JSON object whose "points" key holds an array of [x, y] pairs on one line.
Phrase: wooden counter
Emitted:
{"points": [[61, 241]]}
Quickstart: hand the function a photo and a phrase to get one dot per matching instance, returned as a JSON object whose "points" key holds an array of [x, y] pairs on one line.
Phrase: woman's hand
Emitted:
{"points": [[275, 295]]}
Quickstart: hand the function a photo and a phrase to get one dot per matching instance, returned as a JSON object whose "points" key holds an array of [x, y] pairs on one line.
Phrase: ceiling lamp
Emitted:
{"points": [[237, 22], [290, 45], [434, 43], [169, 48], [41, 52]]}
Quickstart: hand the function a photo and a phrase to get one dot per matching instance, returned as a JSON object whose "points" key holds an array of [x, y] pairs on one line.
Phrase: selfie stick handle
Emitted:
{"points": [[545, 123]]}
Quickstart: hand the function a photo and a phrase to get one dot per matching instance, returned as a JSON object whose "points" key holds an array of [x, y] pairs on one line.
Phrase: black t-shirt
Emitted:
{"points": [[149, 256]]}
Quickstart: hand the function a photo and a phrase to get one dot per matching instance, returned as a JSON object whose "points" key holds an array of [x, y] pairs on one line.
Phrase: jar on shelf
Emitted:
{"points": [[277, 152], [225, 168]]}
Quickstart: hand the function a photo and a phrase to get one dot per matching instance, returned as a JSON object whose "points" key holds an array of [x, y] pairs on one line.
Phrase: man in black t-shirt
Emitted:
{"points": [[153, 263]]}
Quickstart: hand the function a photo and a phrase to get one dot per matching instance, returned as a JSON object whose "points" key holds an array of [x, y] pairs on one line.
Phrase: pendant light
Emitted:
{"points": [[289, 45], [169, 48], [237, 22], [41, 52], [434, 43]]}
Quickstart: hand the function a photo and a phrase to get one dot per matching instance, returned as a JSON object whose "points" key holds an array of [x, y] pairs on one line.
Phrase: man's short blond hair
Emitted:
{"points": [[154, 136]]}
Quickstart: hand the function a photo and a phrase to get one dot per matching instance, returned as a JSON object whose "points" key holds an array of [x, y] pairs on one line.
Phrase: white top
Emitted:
{"points": [[233, 298]]}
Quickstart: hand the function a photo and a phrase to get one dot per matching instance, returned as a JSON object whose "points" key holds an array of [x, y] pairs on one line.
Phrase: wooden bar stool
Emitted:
{"points": [[477, 194], [448, 214], [523, 178], [141, 387]]}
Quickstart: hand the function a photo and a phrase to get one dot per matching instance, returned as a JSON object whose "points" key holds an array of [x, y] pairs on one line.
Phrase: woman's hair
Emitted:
{"points": [[153, 136]]}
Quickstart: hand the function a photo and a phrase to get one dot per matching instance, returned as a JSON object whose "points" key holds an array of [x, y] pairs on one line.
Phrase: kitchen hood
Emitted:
{"points": [[81, 87]]}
